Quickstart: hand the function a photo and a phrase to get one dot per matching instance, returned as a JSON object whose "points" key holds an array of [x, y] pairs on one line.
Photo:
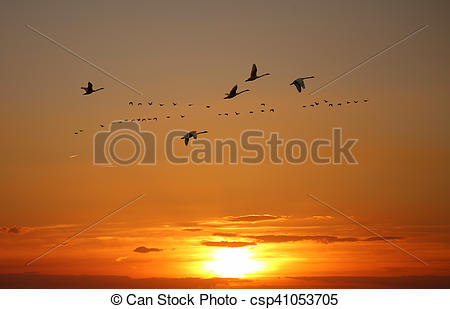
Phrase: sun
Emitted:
{"points": [[233, 263]]}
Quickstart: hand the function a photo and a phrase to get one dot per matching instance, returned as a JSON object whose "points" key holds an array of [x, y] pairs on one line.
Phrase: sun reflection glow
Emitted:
{"points": [[233, 263]]}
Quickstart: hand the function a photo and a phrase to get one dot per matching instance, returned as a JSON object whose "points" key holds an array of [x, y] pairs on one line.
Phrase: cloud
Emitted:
{"points": [[228, 244], [324, 239], [225, 234], [14, 229], [252, 218], [144, 249], [121, 258], [192, 230]]}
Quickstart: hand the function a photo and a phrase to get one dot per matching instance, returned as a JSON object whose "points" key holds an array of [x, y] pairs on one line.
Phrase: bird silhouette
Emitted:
{"points": [[312, 105], [262, 104], [330, 104], [226, 114], [237, 113], [250, 112], [254, 75], [304, 106], [161, 104], [208, 106], [262, 111], [89, 89], [339, 104], [167, 117], [299, 83], [326, 101], [272, 110], [155, 118], [317, 103], [355, 102], [174, 104], [366, 100], [131, 103], [139, 104], [150, 103], [348, 102], [190, 104], [182, 116], [233, 92], [102, 126], [190, 134]]}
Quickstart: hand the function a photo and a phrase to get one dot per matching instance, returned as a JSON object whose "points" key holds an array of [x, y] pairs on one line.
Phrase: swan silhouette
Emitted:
{"points": [[90, 89], [190, 134], [299, 83], [254, 75], [233, 92]]}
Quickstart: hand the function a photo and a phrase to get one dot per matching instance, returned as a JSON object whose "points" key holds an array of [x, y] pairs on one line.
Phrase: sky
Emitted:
{"points": [[200, 221]]}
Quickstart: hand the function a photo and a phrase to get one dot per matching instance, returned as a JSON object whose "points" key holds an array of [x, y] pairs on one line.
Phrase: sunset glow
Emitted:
{"points": [[233, 263]]}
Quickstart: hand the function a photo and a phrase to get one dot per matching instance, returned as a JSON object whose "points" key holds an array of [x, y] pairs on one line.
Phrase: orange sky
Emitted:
{"points": [[193, 53]]}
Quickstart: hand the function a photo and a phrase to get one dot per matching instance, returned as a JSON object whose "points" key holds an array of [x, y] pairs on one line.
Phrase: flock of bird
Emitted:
{"points": [[299, 83]]}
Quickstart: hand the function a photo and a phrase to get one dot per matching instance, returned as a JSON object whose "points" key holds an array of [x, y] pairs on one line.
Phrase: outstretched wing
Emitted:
{"points": [[302, 83], [233, 90], [297, 85], [186, 141], [90, 86], [254, 71]]}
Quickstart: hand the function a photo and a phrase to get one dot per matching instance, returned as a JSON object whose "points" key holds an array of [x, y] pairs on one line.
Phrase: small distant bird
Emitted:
{"points": [[348, 102], [150, 103], [263, 104], [167, 117], [131, 103], [317, 103], [262, 111], [299, 83], [102, 126], [143, 119], [182, 116], [366, 100], [250, 112], [312, 105], [138, 119], [193, 134], [139, 104], [174, 104], [326, 101], [237, 113], [161, 104], [155, 118], [75, 133], [233, 92], [355, 102], [226, 114], [190, 104], [304, 106], [219, 114], [208, 106], [254, 75], [272, 110], [89, 89], [81, 131], [330, 104], [339, 104]]}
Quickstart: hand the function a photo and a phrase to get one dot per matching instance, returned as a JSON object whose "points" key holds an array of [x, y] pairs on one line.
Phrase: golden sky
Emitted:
{"points": [[201, 220]]}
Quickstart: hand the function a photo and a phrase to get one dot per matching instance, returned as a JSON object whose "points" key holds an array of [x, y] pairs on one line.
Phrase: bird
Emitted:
{"points": [[190, 134], [75, 133], [149, 118], [312, 105], [167, 117], [174, 104], [143, 119], [190, 104], [237, 113], [208, 106], [299, 83], [138, 119], [355, 102], [102, 126], [81, 131], [219, 114], [89, 89], [348, 102], [155, 118], [182, 116], [250, 112], [339, 104], [366, 100], [139, 104], [233, 92], [330, 104], [262, 104], [326, 101], [317, 103], [262, 111], [131, 103], [161, 104], [150, 103], [226, 114], [272, 110], [304, 106], [253, 74]]}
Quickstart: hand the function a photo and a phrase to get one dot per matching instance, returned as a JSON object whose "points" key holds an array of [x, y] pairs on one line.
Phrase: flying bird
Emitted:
{"points": [[366, 100], [355, 102], [254, 75], [155, 118], [326, 101], [131, 103], [174, 104], [262, 111], [89, 89], [250, 112], [339, 104], [193, 134], [233, 92], [272, 110], [190, 104], [226, 114], [317, 103], [348, 102], [237, 113], [299, 83], [312, 105], [102, 126], [150, 103], [161, 104], [167, 117], [139, 104], [182, 116], [263, 104], [330, 105], [208, 106]]}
